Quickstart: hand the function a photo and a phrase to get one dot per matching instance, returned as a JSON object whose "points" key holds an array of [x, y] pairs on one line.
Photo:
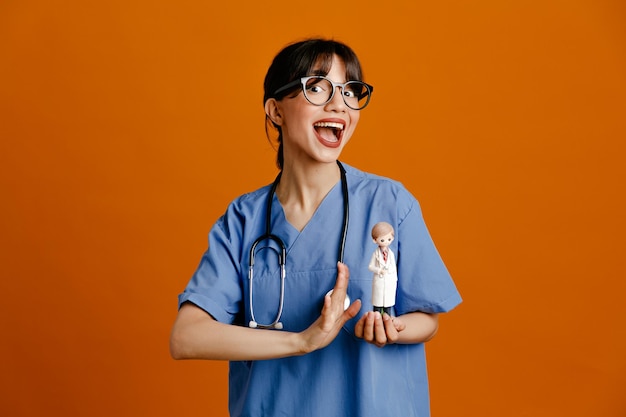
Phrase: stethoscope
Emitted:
{"points": [[282, 252]]}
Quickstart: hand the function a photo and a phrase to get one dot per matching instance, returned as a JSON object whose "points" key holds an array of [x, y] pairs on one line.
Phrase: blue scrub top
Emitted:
{"points": [[349, 377]]}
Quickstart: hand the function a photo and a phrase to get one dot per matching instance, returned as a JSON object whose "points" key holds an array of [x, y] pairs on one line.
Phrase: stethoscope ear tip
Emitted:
{"points": [[278, 326], [253, 324]]}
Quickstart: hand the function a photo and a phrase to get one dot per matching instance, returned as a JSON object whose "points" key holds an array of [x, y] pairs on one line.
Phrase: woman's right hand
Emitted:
{"points": [[197, 335], [333, 317]]}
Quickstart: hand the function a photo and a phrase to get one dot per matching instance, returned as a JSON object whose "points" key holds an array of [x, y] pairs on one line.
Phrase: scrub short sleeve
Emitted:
{"points": [[424, 283], [215, 286]]}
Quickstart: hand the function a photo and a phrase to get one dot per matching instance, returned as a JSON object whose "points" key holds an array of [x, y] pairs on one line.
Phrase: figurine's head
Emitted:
{"points": [[382, 234], [301, 59]]}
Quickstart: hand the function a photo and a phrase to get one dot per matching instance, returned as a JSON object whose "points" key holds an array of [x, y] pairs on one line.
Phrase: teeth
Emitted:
{"points": [[333, 125]]}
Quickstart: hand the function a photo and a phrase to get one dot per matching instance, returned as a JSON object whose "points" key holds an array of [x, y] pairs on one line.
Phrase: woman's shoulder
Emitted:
{"points": [[381, 193], [370, 182], [250, 202], [242, 209]]}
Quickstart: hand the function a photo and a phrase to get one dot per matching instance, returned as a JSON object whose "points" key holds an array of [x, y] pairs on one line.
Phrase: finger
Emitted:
{"points": [[339, 292], [390, 329], [358, 327], [331, 314], [368, 327], [353, 310], [343, 276], [379, 330], [398, 324]]}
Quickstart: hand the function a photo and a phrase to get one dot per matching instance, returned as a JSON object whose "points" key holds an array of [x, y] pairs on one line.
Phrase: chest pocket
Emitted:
{"points": [[303, 296]]}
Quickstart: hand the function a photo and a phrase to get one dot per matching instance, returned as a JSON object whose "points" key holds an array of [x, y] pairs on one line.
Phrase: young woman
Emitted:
{"points": [[261, 297]]}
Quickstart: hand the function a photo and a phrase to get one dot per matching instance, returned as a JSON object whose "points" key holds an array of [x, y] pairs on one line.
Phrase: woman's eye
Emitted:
{"points": [[349, 93], [316, 89]]}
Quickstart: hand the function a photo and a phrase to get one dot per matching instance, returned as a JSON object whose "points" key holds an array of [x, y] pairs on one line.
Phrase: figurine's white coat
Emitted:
{"points": [[385, 279]]}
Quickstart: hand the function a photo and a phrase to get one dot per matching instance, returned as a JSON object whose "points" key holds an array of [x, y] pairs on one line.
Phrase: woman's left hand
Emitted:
{"points": [[379, 330]]}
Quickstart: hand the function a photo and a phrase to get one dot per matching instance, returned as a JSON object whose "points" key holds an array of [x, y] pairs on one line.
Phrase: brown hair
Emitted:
{"points": [[382, 228]]}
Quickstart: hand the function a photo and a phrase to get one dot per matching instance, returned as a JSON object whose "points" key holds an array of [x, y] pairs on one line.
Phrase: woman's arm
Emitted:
{"points": [[409, 328], [196, 335]]}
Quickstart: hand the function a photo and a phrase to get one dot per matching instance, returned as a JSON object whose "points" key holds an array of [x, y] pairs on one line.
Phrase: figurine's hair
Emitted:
{"points": [[382, 228], [300, 59]]}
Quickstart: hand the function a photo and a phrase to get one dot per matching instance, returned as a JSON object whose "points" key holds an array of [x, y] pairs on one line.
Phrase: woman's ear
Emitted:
{"points": [[272, 111]]}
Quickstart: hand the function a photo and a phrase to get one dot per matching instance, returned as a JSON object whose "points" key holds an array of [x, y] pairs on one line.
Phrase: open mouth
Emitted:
{"points": [[329, 132]]}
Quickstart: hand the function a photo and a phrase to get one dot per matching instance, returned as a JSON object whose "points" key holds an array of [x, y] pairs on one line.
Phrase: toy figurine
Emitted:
{"points": [[383, 265]]}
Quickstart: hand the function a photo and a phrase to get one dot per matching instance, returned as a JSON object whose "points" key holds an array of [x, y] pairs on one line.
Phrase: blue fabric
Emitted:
{"points": [[349, 377]]}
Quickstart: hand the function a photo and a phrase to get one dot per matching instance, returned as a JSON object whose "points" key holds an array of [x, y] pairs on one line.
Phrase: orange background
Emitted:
{"points": [[126, 128]]}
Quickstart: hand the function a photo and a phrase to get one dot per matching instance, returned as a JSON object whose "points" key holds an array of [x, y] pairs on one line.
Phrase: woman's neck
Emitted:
{"points": [[302, 188]]}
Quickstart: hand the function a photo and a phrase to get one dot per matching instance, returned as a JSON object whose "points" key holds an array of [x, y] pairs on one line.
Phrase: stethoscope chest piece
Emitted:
{"points": [[346, 301]]}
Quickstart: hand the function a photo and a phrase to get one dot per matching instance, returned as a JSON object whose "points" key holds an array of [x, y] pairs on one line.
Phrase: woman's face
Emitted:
{"points": [[317, 133]]}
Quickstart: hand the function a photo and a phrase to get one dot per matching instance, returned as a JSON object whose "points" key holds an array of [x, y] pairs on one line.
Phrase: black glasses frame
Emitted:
{"points": [[303, 81]]}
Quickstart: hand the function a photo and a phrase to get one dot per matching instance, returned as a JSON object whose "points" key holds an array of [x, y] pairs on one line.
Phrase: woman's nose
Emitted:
{"points": [[337, 103]]}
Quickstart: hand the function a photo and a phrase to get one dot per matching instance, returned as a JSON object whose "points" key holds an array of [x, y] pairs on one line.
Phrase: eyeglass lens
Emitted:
{"points": [[319, 91]]}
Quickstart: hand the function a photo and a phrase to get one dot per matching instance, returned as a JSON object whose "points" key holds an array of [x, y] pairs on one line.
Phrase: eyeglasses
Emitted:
{"points": [[320, 90]]}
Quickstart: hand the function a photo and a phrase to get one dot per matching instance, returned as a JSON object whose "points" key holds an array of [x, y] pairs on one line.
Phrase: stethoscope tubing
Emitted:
{"points": [[282, 254], [282, 258]]}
